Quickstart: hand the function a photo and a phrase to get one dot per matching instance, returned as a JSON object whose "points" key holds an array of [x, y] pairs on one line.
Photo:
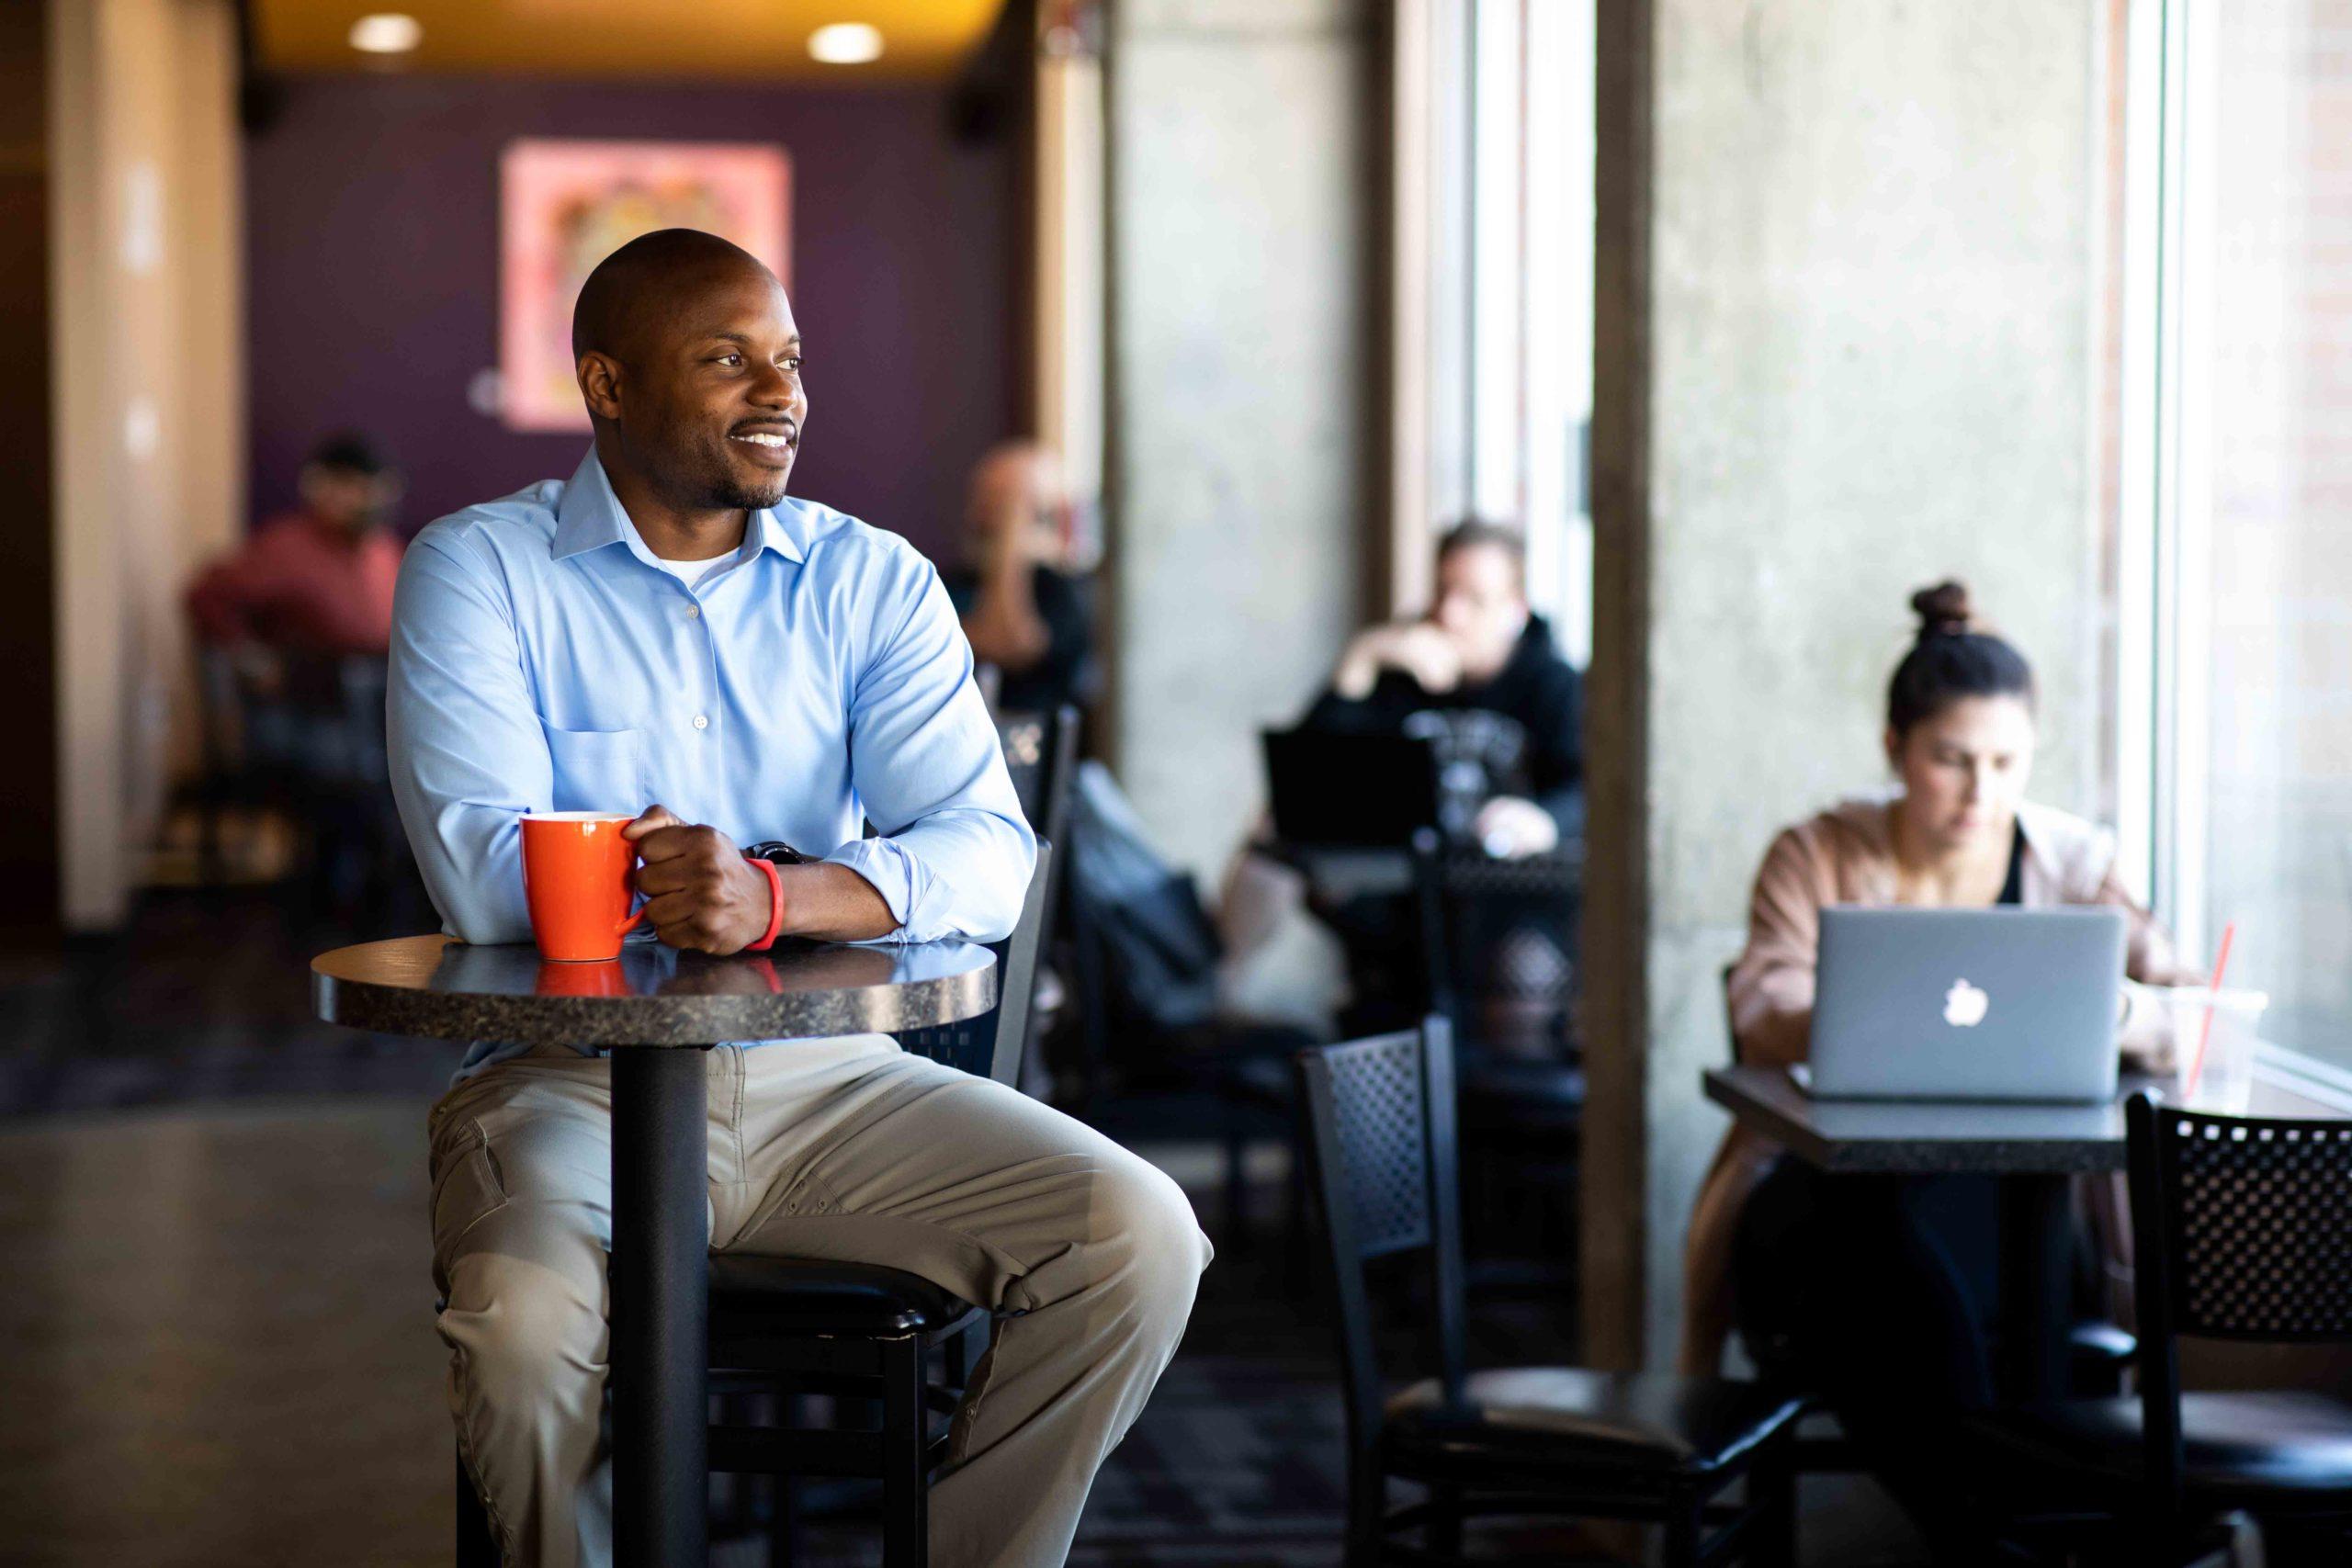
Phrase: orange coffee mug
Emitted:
{"points": [[578, 879]]}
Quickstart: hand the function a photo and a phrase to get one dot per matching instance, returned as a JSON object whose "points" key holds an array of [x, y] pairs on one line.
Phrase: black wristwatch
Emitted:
{"points": [[776, 852]]}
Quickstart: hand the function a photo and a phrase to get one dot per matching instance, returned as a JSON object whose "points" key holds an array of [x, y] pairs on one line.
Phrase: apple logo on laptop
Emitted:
{"points": [[1964, 1005]]}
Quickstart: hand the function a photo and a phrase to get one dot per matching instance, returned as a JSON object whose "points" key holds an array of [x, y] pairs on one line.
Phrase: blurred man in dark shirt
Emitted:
{"points": [[1021, 612], [1479, 646], [313, 584]]}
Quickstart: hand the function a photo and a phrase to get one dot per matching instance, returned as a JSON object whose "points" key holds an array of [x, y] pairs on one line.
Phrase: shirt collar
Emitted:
{"points": [[780, 528], [590, 516]]}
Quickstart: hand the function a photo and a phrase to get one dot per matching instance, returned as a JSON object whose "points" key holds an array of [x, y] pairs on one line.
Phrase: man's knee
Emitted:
{"points": [[525, 1336], [1158, 1243]]}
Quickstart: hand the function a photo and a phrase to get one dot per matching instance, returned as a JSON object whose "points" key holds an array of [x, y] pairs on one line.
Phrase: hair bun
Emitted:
{"points": [[1942, 610]]}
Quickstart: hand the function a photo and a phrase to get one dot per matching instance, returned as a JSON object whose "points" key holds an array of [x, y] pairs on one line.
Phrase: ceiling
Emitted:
{"points": [[764, 40]]}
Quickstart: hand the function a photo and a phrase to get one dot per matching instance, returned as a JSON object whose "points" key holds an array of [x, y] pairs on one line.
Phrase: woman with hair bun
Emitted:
{"points": [[1879, 1291]]}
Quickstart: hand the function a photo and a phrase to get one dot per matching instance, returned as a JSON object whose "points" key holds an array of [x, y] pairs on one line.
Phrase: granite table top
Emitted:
{"points": [[651, 995]]}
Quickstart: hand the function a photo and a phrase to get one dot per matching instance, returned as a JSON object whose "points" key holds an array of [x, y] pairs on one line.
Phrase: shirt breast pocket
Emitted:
{"points": [[597, 770]]}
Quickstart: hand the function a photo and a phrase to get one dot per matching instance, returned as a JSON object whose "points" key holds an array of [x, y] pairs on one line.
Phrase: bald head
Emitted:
{"points": [[689, 363], [1022, 475], [643, 285]]}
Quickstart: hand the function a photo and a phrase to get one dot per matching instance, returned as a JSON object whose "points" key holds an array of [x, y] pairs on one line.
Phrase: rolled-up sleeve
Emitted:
{"points": [[468, 755], [953, 855]]}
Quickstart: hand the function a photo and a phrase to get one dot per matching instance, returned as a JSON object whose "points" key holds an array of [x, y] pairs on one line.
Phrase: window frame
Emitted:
{"points": [[2164, 525]]}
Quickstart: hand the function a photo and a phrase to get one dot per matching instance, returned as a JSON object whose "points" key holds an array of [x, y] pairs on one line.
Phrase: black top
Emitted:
{"points": [[1060, 676], [2013, 884], [1536, 688]]}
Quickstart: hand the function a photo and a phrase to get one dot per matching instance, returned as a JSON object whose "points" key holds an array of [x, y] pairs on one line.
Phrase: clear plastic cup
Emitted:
{"points": [[2223, 1080]]}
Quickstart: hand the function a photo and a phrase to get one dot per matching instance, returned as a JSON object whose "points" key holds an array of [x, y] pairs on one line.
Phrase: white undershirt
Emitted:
{"points": [[694, 573]]}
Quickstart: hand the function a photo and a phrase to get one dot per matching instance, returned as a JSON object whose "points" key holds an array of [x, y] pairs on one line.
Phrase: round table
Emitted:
{"points": [[652, 997]]}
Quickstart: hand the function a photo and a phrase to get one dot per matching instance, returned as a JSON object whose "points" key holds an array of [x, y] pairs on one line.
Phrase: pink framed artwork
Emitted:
{"points": [[564, 206]]}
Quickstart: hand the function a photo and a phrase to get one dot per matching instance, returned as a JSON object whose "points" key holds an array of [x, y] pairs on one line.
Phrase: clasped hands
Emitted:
{"points": [[1421, 649]]}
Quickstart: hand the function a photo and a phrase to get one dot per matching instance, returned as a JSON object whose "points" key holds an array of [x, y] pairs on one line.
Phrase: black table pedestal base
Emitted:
{"points": [[2038, 1236], [660, 1287]]}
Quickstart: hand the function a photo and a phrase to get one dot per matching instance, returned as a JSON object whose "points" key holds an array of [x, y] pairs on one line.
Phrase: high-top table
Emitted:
{"points": [[643, 1004], [2035, 1149]]}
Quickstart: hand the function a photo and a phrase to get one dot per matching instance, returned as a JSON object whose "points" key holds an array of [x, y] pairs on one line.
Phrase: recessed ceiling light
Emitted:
{"points": [[386, 32], [845, 44]]}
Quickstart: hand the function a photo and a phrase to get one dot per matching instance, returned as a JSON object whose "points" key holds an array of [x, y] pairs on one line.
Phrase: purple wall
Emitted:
{"points": [[371, 214]]}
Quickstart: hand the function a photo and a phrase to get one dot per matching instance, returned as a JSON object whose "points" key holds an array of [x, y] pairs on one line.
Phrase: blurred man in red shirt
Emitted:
{"points": [[301, 616], [314, 584]]}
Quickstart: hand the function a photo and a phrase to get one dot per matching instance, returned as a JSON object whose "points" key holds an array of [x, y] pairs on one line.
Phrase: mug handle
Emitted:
{"points": [[630, 924]]}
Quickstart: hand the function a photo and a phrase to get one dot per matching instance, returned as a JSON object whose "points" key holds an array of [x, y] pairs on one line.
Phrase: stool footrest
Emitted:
{"points": [[769, 1451]]}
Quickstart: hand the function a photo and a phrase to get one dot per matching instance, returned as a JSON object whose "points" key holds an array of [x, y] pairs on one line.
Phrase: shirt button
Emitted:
{"points": [[701, 722], [694, 612]]}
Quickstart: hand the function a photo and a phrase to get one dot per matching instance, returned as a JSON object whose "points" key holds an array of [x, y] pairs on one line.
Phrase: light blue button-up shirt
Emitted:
{"points": [[542, 662]]}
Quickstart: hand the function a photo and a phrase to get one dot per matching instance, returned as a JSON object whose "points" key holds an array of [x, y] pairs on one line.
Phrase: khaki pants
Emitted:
{"points": [[845, 1149]]}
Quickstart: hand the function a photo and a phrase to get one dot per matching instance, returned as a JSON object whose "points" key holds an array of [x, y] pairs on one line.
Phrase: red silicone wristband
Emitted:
{"points": [[775, 905]]}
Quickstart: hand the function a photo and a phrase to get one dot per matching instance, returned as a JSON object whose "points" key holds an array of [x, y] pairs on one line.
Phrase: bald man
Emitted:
{"points": [[665, 634], [1022, 612]]}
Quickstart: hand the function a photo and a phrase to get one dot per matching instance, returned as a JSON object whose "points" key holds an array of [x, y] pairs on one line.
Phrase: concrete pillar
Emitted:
{"points": [[146, 339], [1846, 321], [1240, 265]]}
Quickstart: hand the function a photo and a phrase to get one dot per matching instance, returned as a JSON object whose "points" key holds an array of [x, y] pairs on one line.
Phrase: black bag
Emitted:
{"points": [[1160, 947]]}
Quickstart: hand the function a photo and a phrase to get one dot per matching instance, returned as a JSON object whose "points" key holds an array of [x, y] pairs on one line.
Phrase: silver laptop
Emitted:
{"points": [[1966, 1004]]}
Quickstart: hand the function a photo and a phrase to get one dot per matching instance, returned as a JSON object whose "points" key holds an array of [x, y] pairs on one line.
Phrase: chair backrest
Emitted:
{"points": [[1040, 750], [992, 1043], [1498, 940], [1380, 1135], [2243, 1230], [219, 708]]}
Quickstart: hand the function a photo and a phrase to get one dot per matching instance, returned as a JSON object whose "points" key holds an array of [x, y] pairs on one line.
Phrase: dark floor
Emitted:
{"points": [[218, 1315], [204, 997]]}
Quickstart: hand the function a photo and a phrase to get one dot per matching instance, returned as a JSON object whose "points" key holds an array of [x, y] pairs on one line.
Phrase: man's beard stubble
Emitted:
{"points": [[732, 492], [716, 485]]}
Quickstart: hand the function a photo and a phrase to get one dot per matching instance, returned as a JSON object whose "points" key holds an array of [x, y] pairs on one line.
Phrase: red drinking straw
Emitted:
{"points": [[2205, 1031]]}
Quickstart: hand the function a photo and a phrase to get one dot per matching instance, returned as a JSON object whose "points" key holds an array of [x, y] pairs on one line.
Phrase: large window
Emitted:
{"points": [[1493, 247], [2235, 522]]}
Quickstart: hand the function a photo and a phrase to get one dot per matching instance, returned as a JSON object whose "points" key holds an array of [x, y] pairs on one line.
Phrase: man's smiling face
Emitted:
{"points": [[710, 405]]}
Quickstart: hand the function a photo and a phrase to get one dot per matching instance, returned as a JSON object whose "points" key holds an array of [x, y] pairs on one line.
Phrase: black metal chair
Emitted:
{"points": [[1500, 945], [864, 1332], [314, 753], [1515, 1440], [2241, 1229], [1499, 938], [1040, 751], [782, 1328]]}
